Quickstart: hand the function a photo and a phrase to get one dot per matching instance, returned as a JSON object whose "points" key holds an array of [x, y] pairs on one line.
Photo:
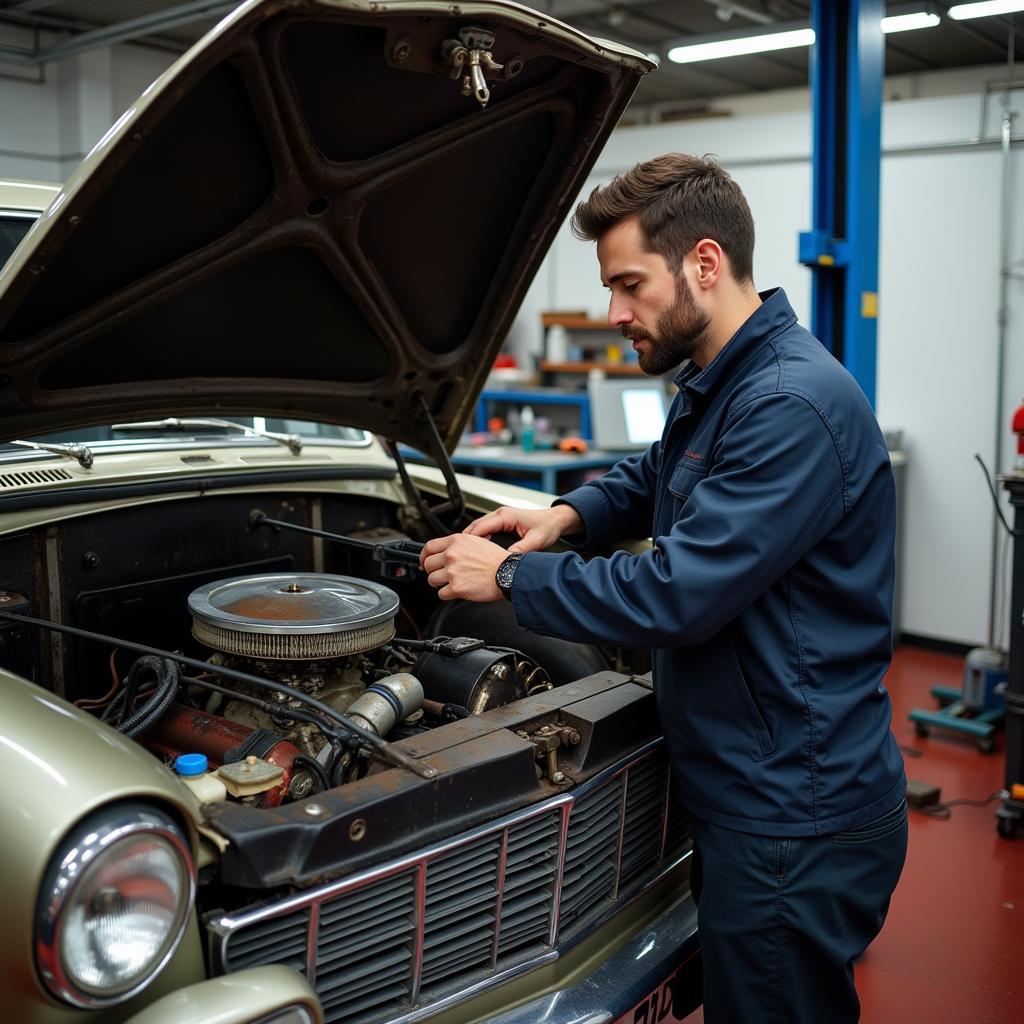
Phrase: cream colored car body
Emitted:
{"points": [[28, 197], [62, 763]]}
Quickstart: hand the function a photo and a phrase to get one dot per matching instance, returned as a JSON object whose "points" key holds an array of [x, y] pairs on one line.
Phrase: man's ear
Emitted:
{"points": [[710, 261]]}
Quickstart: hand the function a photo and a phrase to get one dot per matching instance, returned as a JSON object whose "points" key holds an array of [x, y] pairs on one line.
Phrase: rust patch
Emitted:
{"points": [[288, 608]]}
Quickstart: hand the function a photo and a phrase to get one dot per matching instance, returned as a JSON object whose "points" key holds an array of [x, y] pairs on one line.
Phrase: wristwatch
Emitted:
{"points": [[506, 573]]}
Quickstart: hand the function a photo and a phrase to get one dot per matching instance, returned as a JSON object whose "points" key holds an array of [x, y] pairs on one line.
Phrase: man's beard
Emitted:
{"points": [[681, 330]]}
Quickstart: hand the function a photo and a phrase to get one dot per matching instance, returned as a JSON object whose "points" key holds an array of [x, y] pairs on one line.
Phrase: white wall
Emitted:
{"points": [[51, 117], [939, 284], [29, 129]]}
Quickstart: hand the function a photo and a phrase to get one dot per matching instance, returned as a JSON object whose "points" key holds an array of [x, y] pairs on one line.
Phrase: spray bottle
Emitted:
{"points": [[526, 428]]}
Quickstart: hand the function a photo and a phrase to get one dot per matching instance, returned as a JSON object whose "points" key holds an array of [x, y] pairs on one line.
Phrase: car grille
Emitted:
{"points": [[403, 940]]}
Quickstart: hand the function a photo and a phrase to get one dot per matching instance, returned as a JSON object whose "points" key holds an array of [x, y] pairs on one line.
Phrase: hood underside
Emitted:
{"points": [[306, 217]]}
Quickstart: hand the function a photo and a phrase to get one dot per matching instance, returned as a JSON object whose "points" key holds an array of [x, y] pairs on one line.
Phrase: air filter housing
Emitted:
{"points": [[293, 617]]}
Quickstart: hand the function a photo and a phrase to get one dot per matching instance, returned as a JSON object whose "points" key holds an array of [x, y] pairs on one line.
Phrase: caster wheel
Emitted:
{"points": [[1007, 827], [987, 745], [922, 730]]}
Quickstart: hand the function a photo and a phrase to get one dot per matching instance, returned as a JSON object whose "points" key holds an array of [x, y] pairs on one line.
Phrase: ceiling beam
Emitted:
{"points": [[759, 17], [30, 6], [744, 30], [928, 64], [975, 31], [121, 31], [667, 66]]}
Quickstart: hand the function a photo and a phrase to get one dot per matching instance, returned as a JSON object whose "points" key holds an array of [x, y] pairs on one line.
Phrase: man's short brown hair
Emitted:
{"points": [[678, 199]]}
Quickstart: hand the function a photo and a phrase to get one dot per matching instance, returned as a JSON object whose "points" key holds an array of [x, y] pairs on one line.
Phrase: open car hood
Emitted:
{"points": [[306, 217]]}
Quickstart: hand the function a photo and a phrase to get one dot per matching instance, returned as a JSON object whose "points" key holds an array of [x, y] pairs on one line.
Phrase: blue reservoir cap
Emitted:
{"points": [[190, 764]]}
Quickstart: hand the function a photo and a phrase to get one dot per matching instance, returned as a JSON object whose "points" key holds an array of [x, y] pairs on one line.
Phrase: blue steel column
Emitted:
{"points": [[847, 67]]}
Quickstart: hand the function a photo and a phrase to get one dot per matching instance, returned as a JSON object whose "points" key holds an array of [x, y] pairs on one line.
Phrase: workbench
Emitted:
{"points": [[546, 470]]}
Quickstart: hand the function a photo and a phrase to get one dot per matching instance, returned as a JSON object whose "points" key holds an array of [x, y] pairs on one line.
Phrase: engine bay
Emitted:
{"points": [[315, 640], [290, 665]]}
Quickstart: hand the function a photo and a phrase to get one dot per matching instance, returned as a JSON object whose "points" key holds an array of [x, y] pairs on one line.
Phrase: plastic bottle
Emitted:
{"points": [[526, 428], [191, 769]]}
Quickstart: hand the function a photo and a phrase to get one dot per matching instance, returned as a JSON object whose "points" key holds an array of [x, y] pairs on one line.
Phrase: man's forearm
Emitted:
{"points": [[569, 520]]}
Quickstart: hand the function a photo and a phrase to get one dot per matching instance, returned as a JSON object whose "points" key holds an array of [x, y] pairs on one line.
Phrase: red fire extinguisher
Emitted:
{"points": [[1018, 428]]}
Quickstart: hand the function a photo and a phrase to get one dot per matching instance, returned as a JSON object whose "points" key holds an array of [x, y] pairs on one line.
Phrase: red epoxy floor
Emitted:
{"points": [[952, 949]]}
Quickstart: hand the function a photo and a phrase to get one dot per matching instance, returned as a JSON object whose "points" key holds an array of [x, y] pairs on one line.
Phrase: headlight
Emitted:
{"points": [[113, 906]]}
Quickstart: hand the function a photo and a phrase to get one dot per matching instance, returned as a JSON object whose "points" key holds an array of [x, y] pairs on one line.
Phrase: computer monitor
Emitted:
{"points": [[626, 414]]}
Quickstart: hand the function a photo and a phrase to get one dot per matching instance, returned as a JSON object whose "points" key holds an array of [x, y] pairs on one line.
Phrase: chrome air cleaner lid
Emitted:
{"points": [[293, 616]]}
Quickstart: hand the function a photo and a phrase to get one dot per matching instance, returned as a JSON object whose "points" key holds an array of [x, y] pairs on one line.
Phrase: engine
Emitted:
{"points": [[327, 641]]}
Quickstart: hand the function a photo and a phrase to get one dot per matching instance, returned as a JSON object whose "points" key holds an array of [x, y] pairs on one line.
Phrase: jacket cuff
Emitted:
{"points": [[593, 508], [533, 578]]}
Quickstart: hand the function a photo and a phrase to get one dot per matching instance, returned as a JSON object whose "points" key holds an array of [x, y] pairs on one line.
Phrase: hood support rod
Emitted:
{"points": [[398, 558], [456, 503]]}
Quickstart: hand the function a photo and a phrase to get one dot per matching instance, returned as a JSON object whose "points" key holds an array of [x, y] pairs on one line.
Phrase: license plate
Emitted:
{"points": [[672, 1001]]}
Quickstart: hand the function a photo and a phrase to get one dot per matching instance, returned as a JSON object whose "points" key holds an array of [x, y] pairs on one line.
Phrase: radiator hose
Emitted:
{"points": [[164, 674]]}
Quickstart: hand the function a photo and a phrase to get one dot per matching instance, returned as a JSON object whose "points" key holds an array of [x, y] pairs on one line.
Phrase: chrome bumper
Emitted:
{"points": [[660, 965]]}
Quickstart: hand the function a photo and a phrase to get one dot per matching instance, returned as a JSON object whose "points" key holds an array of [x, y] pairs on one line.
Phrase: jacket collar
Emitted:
{"points": [[774, 314]]}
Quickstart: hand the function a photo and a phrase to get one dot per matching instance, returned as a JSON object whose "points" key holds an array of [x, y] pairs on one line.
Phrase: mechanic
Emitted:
{"points": [[766, 595]]}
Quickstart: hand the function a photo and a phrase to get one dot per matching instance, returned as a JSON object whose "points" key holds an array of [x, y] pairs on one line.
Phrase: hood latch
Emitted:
{"points": [[469, 58]]}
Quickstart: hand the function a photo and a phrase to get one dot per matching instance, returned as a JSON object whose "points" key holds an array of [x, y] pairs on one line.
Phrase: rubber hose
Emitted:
{"points": [[168, 677]]}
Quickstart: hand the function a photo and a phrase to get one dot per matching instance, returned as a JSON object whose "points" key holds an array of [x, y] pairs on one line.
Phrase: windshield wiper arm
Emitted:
{"points": [[72, 450], [291, 441]]}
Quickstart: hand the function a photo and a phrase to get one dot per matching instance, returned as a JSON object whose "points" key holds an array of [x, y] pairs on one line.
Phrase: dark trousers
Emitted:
{"points": [[781, 920]]}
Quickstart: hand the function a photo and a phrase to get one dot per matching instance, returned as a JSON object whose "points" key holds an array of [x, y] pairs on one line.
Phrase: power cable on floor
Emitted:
{"points": [[942, 809]]}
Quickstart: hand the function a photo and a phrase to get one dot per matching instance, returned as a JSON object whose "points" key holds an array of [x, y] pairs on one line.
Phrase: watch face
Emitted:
{"points": [[506, 571]]}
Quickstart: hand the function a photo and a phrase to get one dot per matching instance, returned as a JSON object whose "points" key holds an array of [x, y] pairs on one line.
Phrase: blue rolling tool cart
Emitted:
{"points": [[977, 709]]}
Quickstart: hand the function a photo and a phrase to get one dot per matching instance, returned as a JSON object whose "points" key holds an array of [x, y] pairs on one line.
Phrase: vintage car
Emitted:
{"points": [[255, 770]]}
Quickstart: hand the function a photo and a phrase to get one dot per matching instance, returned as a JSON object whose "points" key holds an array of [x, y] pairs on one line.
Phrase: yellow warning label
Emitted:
{"points": [[869, 305], [826, 261]]}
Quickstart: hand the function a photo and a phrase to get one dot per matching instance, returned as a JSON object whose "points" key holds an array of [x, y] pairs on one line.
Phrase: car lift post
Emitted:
{"points": [[847, 67]]}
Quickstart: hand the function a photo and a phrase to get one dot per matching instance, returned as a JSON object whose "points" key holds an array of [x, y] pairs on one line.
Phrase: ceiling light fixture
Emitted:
{"points": [[908, 22], [961, 12], [765, 42], [737, 47]]}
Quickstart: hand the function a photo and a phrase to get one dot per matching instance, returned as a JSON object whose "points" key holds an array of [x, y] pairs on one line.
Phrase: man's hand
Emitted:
{"points": [[463, 566], [537, 528]]}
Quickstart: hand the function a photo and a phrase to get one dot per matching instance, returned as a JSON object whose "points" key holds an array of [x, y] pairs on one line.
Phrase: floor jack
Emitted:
{"points": [[977, 709]]}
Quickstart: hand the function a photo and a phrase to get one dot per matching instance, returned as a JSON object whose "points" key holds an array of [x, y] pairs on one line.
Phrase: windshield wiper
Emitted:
{"points": [[72, 450], [291, 441]]}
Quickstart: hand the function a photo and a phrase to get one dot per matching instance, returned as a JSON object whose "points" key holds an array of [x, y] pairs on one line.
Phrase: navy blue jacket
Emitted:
{"points": [[767, 593]]}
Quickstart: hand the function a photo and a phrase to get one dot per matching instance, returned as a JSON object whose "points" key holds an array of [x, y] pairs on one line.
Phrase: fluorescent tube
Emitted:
{"points": [[961, 12], [908, 22], [766, 42], [737, 47]]}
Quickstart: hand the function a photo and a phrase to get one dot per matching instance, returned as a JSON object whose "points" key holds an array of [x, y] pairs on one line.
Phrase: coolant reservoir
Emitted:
{"points": [[191, 769]]}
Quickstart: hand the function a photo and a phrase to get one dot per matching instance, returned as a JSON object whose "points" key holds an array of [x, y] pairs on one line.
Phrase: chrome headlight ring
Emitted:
{"points": [[113, 906]]}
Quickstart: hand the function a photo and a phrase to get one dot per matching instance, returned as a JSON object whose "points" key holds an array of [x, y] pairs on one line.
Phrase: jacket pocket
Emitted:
{"points": [[684, 478], [749, 712], [881, 827]]}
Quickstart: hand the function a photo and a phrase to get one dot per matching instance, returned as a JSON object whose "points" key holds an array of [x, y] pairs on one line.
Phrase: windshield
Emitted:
{"points": [[188, 430], [13, 228]]}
